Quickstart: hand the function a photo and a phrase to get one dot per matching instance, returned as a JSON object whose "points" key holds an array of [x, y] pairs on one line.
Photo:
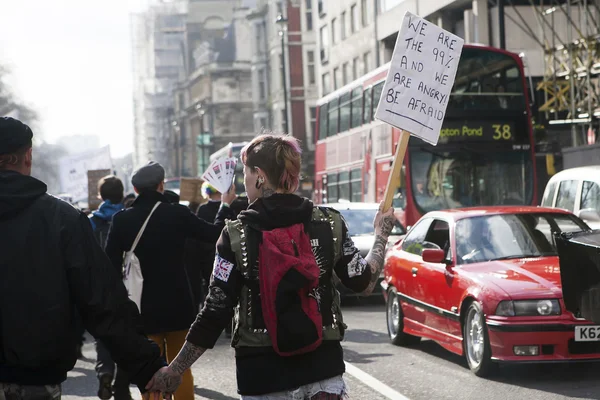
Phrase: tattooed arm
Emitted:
{"points": [[384, 223], [361, 274], [168, 379], [225, 286]]}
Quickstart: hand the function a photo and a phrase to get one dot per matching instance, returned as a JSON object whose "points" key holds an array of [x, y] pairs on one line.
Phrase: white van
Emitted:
{"points": [[576, 190]]}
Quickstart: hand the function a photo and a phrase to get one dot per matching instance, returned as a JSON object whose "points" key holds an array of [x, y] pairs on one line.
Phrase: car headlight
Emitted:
{"points": [[528, 308]]}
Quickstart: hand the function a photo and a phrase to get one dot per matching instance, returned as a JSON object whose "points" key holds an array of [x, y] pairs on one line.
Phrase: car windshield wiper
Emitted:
{"points": [[516, 256]]}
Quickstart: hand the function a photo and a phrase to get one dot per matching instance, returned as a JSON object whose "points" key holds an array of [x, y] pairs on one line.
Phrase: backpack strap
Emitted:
{"points": [[325, 214], [143, 228]]}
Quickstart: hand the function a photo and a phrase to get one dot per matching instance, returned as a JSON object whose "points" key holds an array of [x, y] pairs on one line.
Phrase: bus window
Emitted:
{"points": [[323, 119], [332, 188], [376, 95], [345, 112], [333, 117], [356, 184], [367, 110], [487, 80]]}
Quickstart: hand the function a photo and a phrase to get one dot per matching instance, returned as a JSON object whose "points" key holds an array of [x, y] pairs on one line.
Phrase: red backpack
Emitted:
{"points": [[289, 282]]}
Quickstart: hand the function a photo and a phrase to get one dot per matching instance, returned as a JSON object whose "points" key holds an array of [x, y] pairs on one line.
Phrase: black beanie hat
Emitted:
{"points": [[14, 135]]}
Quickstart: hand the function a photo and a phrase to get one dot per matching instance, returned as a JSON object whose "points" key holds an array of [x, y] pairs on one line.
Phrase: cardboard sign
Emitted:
{"points": [[422, 71], [93, 177], [191, 190]]}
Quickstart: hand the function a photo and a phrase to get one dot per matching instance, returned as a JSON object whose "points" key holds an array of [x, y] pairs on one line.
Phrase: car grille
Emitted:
{"points": [[583, 347]]}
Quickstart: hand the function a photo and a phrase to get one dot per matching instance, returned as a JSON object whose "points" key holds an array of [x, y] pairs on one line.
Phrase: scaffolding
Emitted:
{"points": [[569, 33]]}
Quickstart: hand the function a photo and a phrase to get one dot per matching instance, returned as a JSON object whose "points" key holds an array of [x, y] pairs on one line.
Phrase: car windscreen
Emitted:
{"points": [[511, 236], [360, 222]]}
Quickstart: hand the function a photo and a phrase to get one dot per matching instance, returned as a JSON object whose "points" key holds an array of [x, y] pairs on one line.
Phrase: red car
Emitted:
{"points": [[485, 283]]}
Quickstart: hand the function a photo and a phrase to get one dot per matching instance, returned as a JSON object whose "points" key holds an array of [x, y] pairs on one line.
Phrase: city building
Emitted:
{"points": [[157, 36], [213, 104], [284, 72]]}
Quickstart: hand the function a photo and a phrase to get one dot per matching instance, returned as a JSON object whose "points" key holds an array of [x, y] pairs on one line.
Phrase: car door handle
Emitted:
{"points": [[414, 271]]}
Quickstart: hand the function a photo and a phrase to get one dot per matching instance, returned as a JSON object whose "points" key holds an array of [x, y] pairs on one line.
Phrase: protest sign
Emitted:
{"points": [[191, 190], [73, 171], [418, 85]]}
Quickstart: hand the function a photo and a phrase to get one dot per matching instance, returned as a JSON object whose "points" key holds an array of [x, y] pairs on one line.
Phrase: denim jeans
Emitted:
{"points": [[11, 391], [328, 389]]}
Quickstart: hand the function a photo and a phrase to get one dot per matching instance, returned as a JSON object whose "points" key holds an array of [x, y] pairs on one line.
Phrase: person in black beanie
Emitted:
{"points": [[67, 274]]}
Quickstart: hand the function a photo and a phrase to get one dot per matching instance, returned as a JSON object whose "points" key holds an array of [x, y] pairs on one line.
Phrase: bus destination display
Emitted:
{"points": [[492, 131]]}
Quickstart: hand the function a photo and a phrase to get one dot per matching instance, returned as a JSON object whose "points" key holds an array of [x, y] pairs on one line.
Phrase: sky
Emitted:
{"points": [[71, 62]]}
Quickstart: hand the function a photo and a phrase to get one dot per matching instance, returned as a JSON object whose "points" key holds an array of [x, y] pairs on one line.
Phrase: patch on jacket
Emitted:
{"points": [[222, 268]]}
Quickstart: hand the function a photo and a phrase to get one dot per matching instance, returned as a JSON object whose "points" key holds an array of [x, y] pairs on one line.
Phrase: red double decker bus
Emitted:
{"points": [[485, 154]]}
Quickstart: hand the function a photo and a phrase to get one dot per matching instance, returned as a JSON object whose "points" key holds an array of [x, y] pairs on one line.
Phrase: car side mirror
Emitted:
{"points": [[435, 256], [589, 214]]}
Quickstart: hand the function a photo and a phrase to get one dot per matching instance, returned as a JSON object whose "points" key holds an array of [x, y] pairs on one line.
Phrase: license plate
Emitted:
{"points": [[587, 333]]}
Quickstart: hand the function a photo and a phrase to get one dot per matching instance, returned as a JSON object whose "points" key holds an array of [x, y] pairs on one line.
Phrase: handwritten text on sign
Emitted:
{"points": [[421, 75]]}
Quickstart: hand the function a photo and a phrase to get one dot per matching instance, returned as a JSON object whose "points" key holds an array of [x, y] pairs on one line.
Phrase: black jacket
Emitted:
{"points": [[167, 301], [51, 269], [206, 250], [256, 369]]}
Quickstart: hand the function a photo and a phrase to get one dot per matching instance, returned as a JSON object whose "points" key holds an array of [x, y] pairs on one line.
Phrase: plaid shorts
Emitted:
{"points": [[11, 391], [328, 389]]}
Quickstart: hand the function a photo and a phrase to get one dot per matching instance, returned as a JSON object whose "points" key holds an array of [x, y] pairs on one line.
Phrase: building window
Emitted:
{"points": [[279, 7], [332, 188], [367, 62], [364, 13], [344, 186], [263, 123], [343, 25], [353, 19], [356, 185], [333, 31], [336, 78], [262, 90], [321, 6], [313, 121], [310, 66], [309, 16], [355, 68], [345, 73], [324, 37], [326, 82]]}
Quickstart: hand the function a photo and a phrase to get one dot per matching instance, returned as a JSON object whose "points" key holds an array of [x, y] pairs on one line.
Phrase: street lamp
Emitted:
{"points": [[282, 22]]}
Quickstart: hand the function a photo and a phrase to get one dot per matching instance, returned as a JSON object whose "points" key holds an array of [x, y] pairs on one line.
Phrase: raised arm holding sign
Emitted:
{"points": [[417, 88]]}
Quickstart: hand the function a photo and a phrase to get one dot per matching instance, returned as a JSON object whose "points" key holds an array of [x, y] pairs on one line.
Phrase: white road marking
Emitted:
{"points": [[373, 383]]}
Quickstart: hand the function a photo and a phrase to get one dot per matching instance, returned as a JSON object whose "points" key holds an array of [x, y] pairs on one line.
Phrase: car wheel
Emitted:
{"points": [[395, 322], [476, 341]]}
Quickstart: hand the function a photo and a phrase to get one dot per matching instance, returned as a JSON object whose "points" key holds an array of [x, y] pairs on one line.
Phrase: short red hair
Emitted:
{"points": [[279, 156]]}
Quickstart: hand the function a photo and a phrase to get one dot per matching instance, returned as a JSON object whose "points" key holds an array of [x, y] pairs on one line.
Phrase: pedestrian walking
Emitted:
{"points": [[205, 251], [110, 189], [52, 270], [275, 266], [167, 304]]}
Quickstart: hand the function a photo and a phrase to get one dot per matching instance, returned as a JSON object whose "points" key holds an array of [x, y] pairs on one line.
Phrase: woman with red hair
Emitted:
{"points": [[271, 177]]}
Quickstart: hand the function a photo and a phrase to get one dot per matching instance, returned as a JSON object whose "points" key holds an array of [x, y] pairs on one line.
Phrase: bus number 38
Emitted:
{"points": [[502, 132]]}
